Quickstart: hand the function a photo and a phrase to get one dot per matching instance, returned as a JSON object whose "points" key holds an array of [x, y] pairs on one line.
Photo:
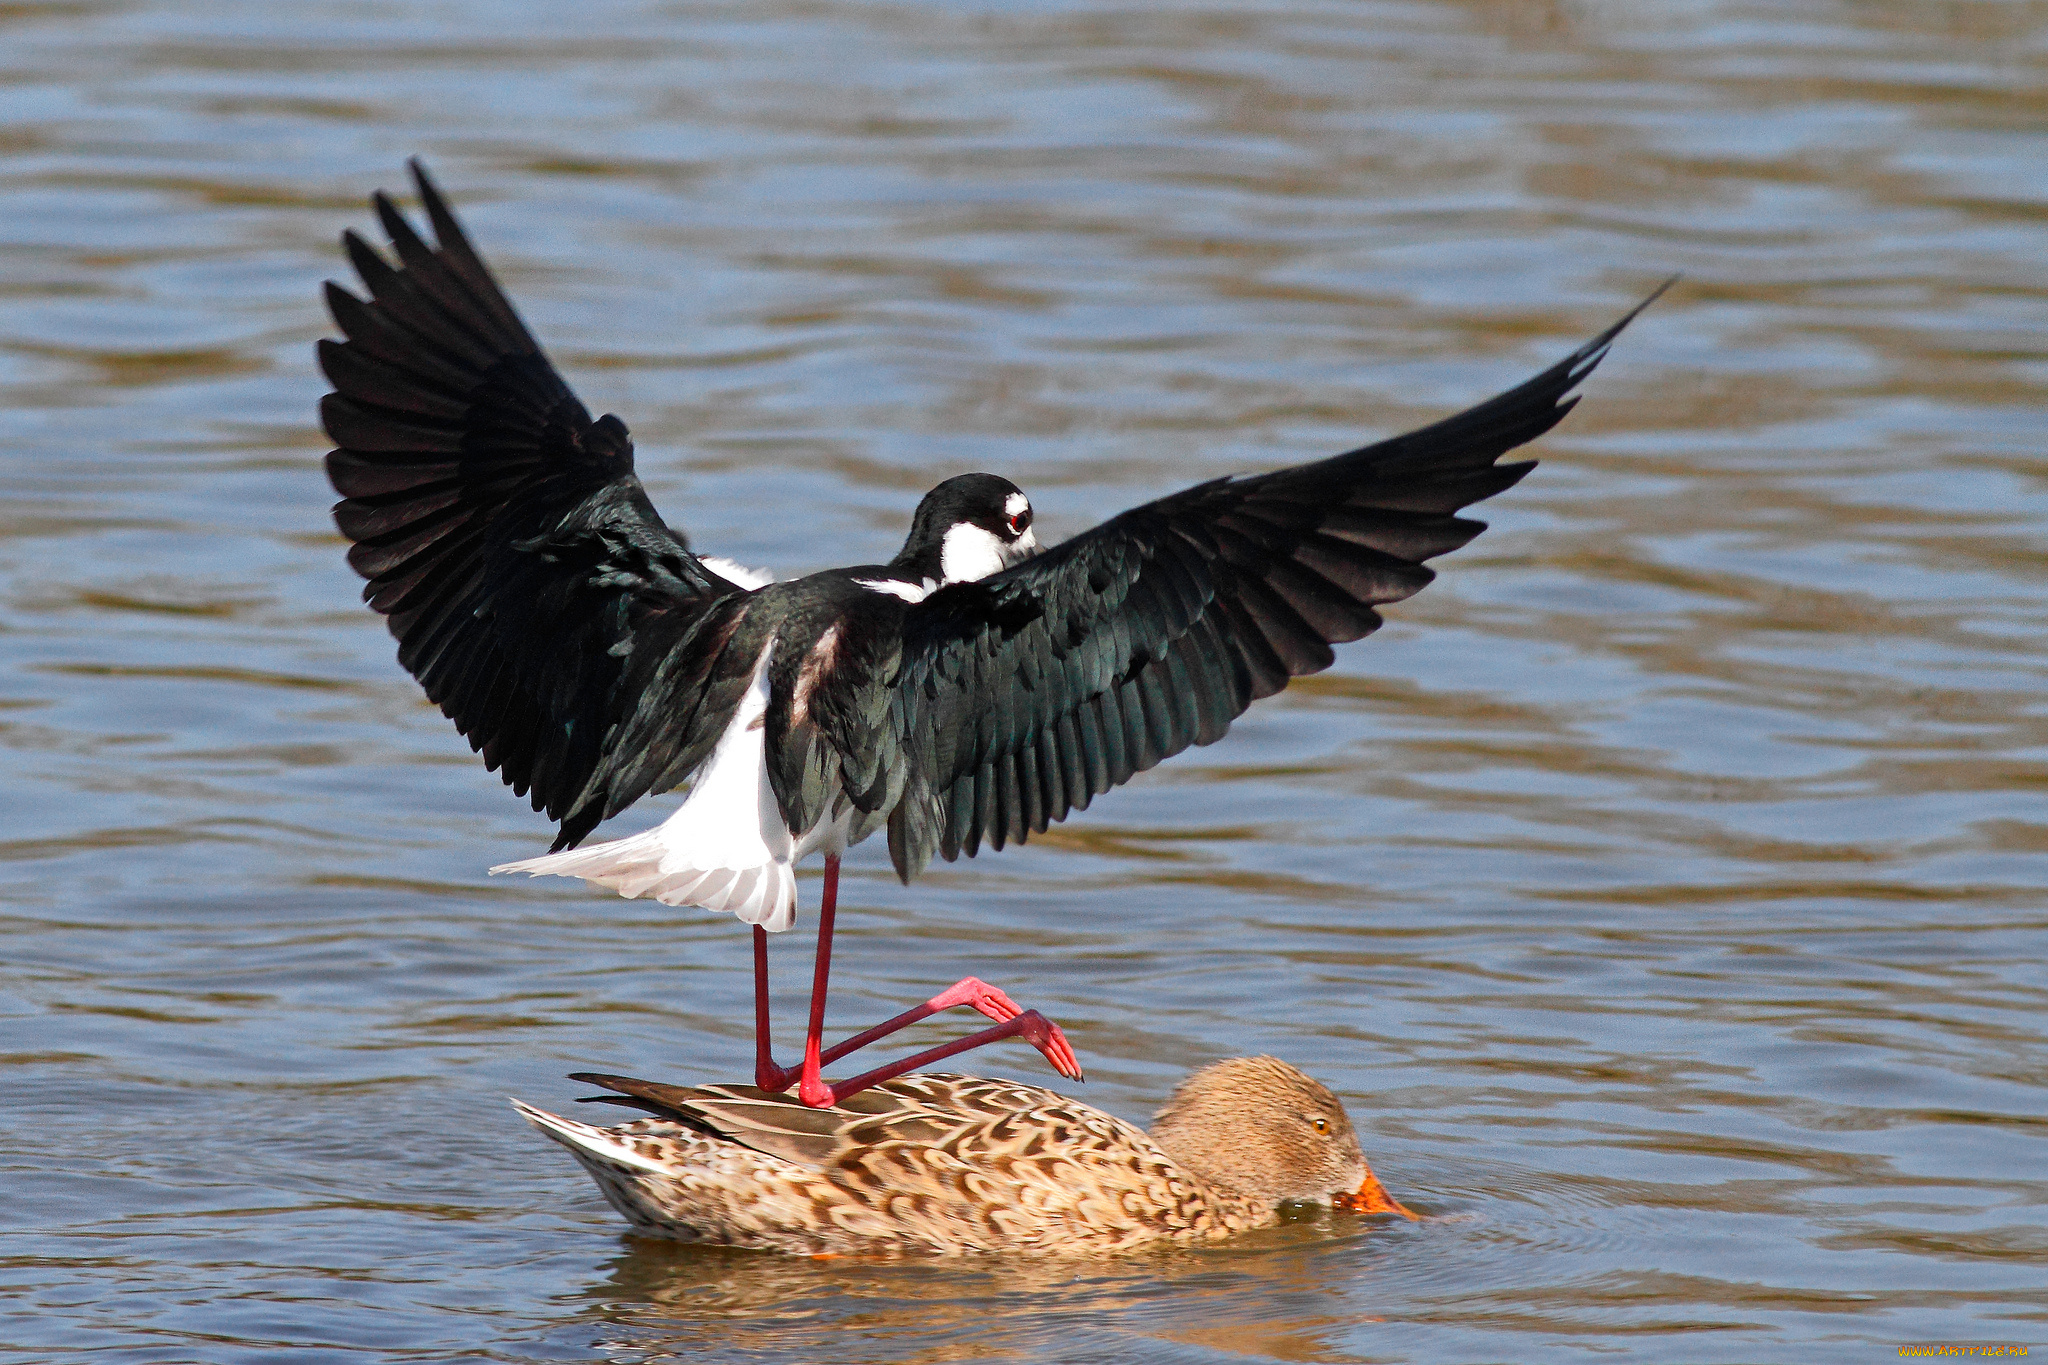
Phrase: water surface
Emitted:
{"points": [[1663, 889]]}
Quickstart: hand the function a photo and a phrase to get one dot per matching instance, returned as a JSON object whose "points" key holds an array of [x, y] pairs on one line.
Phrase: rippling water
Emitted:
{"points": [[1663, 888]]}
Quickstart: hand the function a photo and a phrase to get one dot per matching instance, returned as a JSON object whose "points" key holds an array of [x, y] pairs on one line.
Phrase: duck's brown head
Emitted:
{"points": [[1257, 1127]]}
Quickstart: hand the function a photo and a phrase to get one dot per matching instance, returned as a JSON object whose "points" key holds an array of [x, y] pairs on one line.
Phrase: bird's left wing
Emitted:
{"points": [[535, 592], [1025, 694]]}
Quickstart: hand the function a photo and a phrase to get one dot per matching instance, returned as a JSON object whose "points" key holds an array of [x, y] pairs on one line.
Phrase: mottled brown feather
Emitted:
{"points": [[957, 1164]]}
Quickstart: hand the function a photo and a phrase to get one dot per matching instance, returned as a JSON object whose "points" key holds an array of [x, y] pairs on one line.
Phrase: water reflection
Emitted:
{"points": [[1274, 1295]]}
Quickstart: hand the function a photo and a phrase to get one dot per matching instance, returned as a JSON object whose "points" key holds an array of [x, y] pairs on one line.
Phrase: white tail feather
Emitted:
{"points": [[725, 848], [648, 865]]}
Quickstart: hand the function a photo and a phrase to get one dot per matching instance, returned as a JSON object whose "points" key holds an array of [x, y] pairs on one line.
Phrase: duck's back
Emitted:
{"points": [[920, 1164]]}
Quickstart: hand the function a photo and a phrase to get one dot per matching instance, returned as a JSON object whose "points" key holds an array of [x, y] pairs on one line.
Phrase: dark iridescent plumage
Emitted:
{"points": [[591, 657], [956, 695]]}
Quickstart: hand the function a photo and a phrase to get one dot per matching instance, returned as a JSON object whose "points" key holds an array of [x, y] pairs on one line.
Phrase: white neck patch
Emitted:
{"points": [[968, 553]]}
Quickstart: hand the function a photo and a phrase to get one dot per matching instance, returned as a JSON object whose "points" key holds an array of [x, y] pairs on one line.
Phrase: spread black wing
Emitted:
{"points": [[1024, 695], [535, 592]]}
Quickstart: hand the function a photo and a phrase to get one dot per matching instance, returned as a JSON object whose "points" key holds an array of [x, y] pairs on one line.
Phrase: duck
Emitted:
{"points": [[966, 694], [939, 1164]]}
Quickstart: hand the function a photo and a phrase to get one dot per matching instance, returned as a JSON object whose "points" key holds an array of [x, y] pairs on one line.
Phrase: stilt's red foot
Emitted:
{"points": [[1033, 1027], [1043, 1034], [972, 990]]}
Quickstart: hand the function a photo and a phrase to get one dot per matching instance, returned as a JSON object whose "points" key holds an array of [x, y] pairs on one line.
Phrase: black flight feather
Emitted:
{"points": [[1183, 611], [533, 589]]}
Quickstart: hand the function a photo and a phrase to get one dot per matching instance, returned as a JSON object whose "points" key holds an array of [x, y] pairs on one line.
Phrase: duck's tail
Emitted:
{"points": [[630, 1179], [590, 1143], [670, 1180]]}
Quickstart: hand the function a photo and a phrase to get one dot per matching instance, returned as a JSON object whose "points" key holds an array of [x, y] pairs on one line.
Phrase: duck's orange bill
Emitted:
{"points": [[1372, 1197]]}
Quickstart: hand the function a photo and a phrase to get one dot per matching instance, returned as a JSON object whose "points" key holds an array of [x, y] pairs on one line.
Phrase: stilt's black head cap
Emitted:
{"points": [[968, 527]]}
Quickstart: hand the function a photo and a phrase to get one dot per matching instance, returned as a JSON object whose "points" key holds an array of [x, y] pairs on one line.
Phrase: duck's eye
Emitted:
{"points": [[1321, 1125]]}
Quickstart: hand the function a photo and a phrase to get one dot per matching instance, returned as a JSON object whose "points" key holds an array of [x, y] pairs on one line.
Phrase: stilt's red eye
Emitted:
{"points": [[1020, 522]]}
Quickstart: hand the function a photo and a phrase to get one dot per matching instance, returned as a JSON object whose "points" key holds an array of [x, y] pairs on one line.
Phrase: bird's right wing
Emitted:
{"points": [[534, 591], [1025, 694]]}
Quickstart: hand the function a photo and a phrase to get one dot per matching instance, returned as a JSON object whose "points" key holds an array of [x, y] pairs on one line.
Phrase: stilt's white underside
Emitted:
{"points": [[726, 848]]}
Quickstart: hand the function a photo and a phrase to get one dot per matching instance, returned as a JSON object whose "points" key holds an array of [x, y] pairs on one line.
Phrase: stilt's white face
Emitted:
{"points": [[972, 550]]}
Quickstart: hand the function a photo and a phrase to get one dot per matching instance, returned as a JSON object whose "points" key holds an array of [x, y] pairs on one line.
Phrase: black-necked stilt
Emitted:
{"points": [[973, 689]]}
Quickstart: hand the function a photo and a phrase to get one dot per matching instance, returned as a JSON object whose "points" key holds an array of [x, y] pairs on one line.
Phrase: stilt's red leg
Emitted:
{"points": [[966, 991], [812, 1089], [1031, 1026], [767, 1075], [770, 1077], [810, 1086]]}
